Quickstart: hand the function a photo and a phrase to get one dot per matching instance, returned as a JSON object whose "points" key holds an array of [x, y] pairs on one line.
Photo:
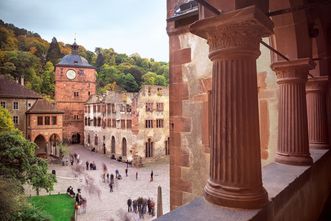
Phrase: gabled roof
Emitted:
{"points": [[11, 89], [42, 106]]}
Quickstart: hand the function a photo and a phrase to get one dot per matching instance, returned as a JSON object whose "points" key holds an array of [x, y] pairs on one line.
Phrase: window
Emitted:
{"points": [[109, 123], [94, 108], [149, 107], [108, 108], [88, 139], [54, 120], [98, 108], [122, 108], [47, 120], [89, 121], [159, 106], [96, 140], [166, 147], [114, 123], [76, 94], [103, 108], [128, 108], [95, 121], [149, 123], [40, 120], [76, 117], [128, 124], [85, 119], [149, 148], [123, 124], [3, 104], [15, 120], [159, 123], [149, 91], [15, 105], [29, 104], [99, 122], [88, 109]]}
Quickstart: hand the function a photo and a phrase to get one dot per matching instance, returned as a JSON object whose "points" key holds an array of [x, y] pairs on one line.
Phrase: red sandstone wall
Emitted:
{"points": [[84, 84]]}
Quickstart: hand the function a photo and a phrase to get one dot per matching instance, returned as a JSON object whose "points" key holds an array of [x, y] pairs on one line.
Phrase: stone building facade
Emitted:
{"points": [[39, 120], [191, 108], [74, 83], [126, 125]]}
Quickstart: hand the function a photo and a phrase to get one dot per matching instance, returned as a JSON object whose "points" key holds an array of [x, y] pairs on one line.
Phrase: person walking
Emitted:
{"points": [[111, 187], [152, 174], [112, 178], [129, 202], [87, 164], [116, 173], [134, 205], [136, 175], [126, 172]]}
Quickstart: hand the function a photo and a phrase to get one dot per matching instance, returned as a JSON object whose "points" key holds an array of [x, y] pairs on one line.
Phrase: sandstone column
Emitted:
{"points": [[235, 166], [316, 89], [293, 145]]}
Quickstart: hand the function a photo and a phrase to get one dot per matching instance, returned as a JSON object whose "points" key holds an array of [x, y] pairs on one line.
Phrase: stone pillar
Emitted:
{"points": [[159, 202], [316, 90], [293, 145], [235, 161]]}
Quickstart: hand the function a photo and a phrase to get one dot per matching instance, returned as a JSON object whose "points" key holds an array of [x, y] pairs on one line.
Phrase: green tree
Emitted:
{"points": [[128, 83], [48, 80], [160, 80], [54, 53], [149, 78], [6, 122], [18, 161]]}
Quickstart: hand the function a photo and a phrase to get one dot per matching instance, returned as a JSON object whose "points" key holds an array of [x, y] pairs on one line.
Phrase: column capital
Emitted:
{"points": [[295, 70], [237, 32], [317, 84]]}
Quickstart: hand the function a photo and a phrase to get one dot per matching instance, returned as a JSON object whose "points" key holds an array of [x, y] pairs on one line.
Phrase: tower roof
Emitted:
{"points": [[73, 59]]}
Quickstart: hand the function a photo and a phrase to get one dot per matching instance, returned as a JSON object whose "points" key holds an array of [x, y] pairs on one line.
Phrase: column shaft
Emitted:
{"points": [[235, 162], [316, 90], [293, 145]]}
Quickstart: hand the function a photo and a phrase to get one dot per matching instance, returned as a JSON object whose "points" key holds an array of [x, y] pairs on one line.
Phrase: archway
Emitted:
{"points": [[75, 138], [149, 148], [42, 145], [124, 149], [54, 141], [113, 143]]}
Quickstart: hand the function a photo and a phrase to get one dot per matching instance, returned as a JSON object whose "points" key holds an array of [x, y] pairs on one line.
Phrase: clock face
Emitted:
{"points": [[71, 74]]}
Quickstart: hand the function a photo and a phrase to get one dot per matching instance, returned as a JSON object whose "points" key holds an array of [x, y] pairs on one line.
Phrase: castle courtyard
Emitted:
{"points": [[111, 205]]}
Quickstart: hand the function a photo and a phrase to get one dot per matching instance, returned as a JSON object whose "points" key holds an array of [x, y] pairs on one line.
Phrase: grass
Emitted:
{"points": [[57, 207]]}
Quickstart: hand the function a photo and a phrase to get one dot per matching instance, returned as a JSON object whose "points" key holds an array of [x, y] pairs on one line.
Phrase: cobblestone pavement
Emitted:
{"points": [[112, 204]]}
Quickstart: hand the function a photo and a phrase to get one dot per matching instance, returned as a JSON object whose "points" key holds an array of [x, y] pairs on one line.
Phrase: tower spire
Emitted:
{"points": [[74, 47]]}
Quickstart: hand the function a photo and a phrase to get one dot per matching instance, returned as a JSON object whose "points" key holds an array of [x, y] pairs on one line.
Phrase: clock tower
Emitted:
{"points": [[75, 81]]}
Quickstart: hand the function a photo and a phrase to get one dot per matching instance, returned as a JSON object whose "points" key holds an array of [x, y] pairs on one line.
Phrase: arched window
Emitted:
{"points": [[149, 148], [94, 121], [113, 144], [88, 139], [124, 147]]}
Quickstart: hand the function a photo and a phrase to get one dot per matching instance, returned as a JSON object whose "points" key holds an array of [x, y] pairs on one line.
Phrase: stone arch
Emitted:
{"points": [[149, 148], [113, 145], [288, 35], [75, 138], [124, 147], [54, 141], [41, 142]]}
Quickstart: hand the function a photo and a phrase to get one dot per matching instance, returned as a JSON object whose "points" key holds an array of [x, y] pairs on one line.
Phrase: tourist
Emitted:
{"points": [[129, 202], [70, 192], [87, 164], [91, 166], [126, 172], [112, 178], [94, 166], [152, 174], [116, 173], [149, 206], [111, 187], [136, 175], [107, 177], [134, 205], [78, 197]]}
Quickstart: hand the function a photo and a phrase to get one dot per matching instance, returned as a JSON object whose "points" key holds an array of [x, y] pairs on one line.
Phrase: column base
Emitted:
{"points": [[235, 197], [319, 146], [298, 160]]}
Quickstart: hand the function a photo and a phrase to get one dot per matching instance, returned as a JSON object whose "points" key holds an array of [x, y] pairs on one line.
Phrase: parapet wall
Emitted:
{"points": [[295, 193]]}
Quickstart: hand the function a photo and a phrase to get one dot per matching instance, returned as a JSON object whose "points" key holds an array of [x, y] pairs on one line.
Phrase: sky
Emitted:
{"points": [[127, 26]]}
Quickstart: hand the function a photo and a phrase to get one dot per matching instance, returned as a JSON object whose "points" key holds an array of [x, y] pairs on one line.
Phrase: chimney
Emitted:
{"points": [[22, 80]]}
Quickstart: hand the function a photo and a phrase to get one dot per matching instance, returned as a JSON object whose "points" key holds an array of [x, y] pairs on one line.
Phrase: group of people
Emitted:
{"points": [[74, 158], [141, 206], [79, 200], [90, 165]]}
